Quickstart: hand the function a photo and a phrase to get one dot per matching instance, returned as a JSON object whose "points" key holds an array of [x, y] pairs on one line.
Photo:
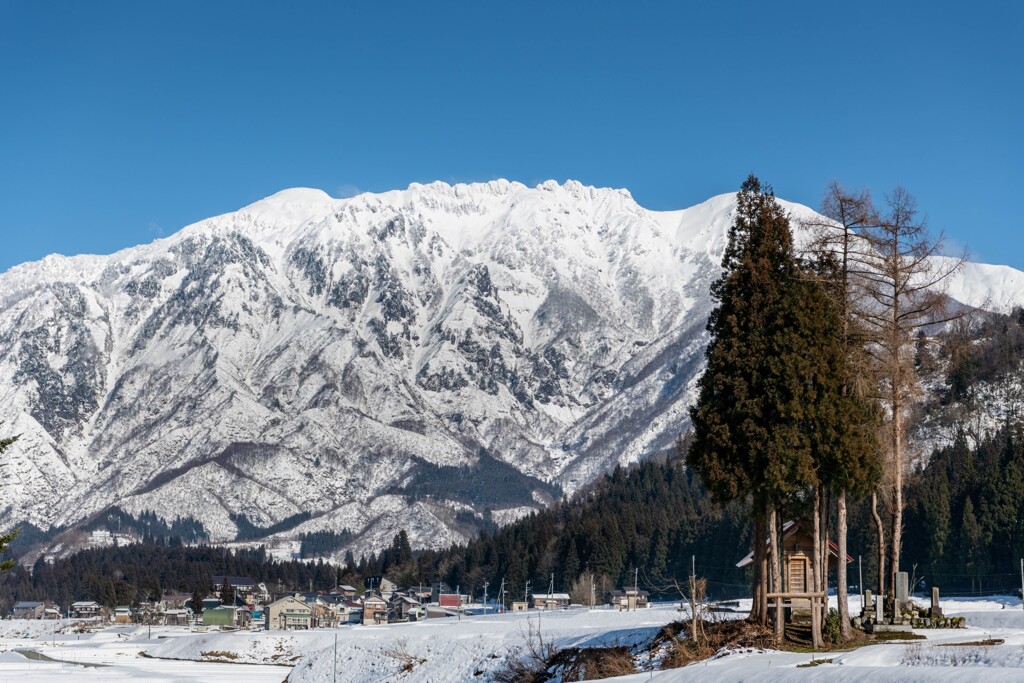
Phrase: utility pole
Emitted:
{"points": [[693, 588], [486, 584], [636, 588], [501, 595], [335, 657], [592, 596], [1022, 581]]}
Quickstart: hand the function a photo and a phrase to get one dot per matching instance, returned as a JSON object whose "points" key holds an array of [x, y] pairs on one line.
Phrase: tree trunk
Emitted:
{"points": [[775, 574], [896, 536], [880, 528], [816, 571], [826, 506], [841, 580], [758, 607]]}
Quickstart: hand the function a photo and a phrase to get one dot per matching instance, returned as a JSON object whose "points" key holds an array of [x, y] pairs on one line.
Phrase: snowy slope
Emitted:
{"points": [[313, 354]]}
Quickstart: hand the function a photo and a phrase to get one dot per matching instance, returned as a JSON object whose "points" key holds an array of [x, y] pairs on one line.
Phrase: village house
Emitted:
{"points": [[101, 538], [86, 609], [51, 613], [437, 588], [289, 613], [177, 617], [247, 590], [550, 600], [28, 610], [346, 591], [337, 609], [403, 607], [122, 614], [174, 600], [380, 585], [450, 601], [241, 584], [375, 610], [628, 599], [323, 608]]}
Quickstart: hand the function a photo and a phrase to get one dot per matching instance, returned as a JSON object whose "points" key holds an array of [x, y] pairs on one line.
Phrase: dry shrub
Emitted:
{"points": [[592, 663], [528, 664], [717, 635], [400, 653]]}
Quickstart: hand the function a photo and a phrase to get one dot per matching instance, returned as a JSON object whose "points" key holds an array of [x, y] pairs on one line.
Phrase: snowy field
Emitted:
{"points": [[37, 652], [474, 648]]}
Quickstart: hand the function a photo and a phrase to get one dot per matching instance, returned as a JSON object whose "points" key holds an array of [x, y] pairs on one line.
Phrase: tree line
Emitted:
{"points": [[140, 572]]}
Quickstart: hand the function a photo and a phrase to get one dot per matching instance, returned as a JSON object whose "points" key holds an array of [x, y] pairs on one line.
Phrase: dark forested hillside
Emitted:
{"points": [[967, 506], [653, 517]]}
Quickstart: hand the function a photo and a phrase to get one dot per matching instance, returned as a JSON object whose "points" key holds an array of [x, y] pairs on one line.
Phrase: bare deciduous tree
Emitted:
{"points": [[904, 281], [838, 237]]}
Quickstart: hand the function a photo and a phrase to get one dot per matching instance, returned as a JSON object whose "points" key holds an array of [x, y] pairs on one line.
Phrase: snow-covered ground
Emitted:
{"points": [[474, 648], [42, 652]]}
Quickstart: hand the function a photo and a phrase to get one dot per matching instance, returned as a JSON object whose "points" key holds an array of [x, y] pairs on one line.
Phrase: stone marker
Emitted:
{"points": [[902, 588], [935, 612], [868, 611]]}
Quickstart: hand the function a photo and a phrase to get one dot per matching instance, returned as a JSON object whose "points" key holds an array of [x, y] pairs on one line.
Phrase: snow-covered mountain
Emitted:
{"points": [[344, 357]]}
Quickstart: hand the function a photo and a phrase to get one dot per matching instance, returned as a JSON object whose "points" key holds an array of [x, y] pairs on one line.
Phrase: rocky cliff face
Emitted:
{"points": [[410, 360]]}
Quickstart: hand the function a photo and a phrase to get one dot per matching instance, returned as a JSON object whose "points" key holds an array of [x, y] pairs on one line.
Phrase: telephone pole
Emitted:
{"points": [[486, 584]]}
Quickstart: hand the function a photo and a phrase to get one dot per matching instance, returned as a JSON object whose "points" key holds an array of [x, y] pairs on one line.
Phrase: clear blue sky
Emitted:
{"points": [[122, 121]]}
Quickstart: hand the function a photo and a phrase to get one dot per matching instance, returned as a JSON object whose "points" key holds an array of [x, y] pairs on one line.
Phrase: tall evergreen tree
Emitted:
{"points": [[227, 593], [750, 420], [198, 595]]}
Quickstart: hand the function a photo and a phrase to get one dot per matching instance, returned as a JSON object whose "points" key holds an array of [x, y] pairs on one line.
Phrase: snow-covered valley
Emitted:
{"points": [[477, 647]]}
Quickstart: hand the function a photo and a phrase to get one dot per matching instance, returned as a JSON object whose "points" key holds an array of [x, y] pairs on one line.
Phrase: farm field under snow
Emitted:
{"points": [[41, 652], [476, 647]]}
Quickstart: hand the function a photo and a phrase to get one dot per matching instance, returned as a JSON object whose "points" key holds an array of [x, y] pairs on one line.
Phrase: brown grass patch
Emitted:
{"points": [[887, 636], [592, 663], [218, 656], [732, 633], [813, 662]]}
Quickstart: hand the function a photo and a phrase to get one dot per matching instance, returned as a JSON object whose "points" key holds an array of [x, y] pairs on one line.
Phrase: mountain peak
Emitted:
{"points": [[292, 203]]}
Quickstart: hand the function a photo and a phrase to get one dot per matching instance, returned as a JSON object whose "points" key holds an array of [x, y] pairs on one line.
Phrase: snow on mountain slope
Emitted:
{"points": [[341, 357]]}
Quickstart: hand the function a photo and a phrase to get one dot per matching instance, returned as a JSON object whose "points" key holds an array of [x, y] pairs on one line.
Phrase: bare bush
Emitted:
{"points": [[733, 633], [400, 653], [612, 662], [529, 663]]}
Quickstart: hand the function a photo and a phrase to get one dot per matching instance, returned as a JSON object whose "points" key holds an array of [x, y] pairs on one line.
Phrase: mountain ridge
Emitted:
{"points": [[304, 353]]}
